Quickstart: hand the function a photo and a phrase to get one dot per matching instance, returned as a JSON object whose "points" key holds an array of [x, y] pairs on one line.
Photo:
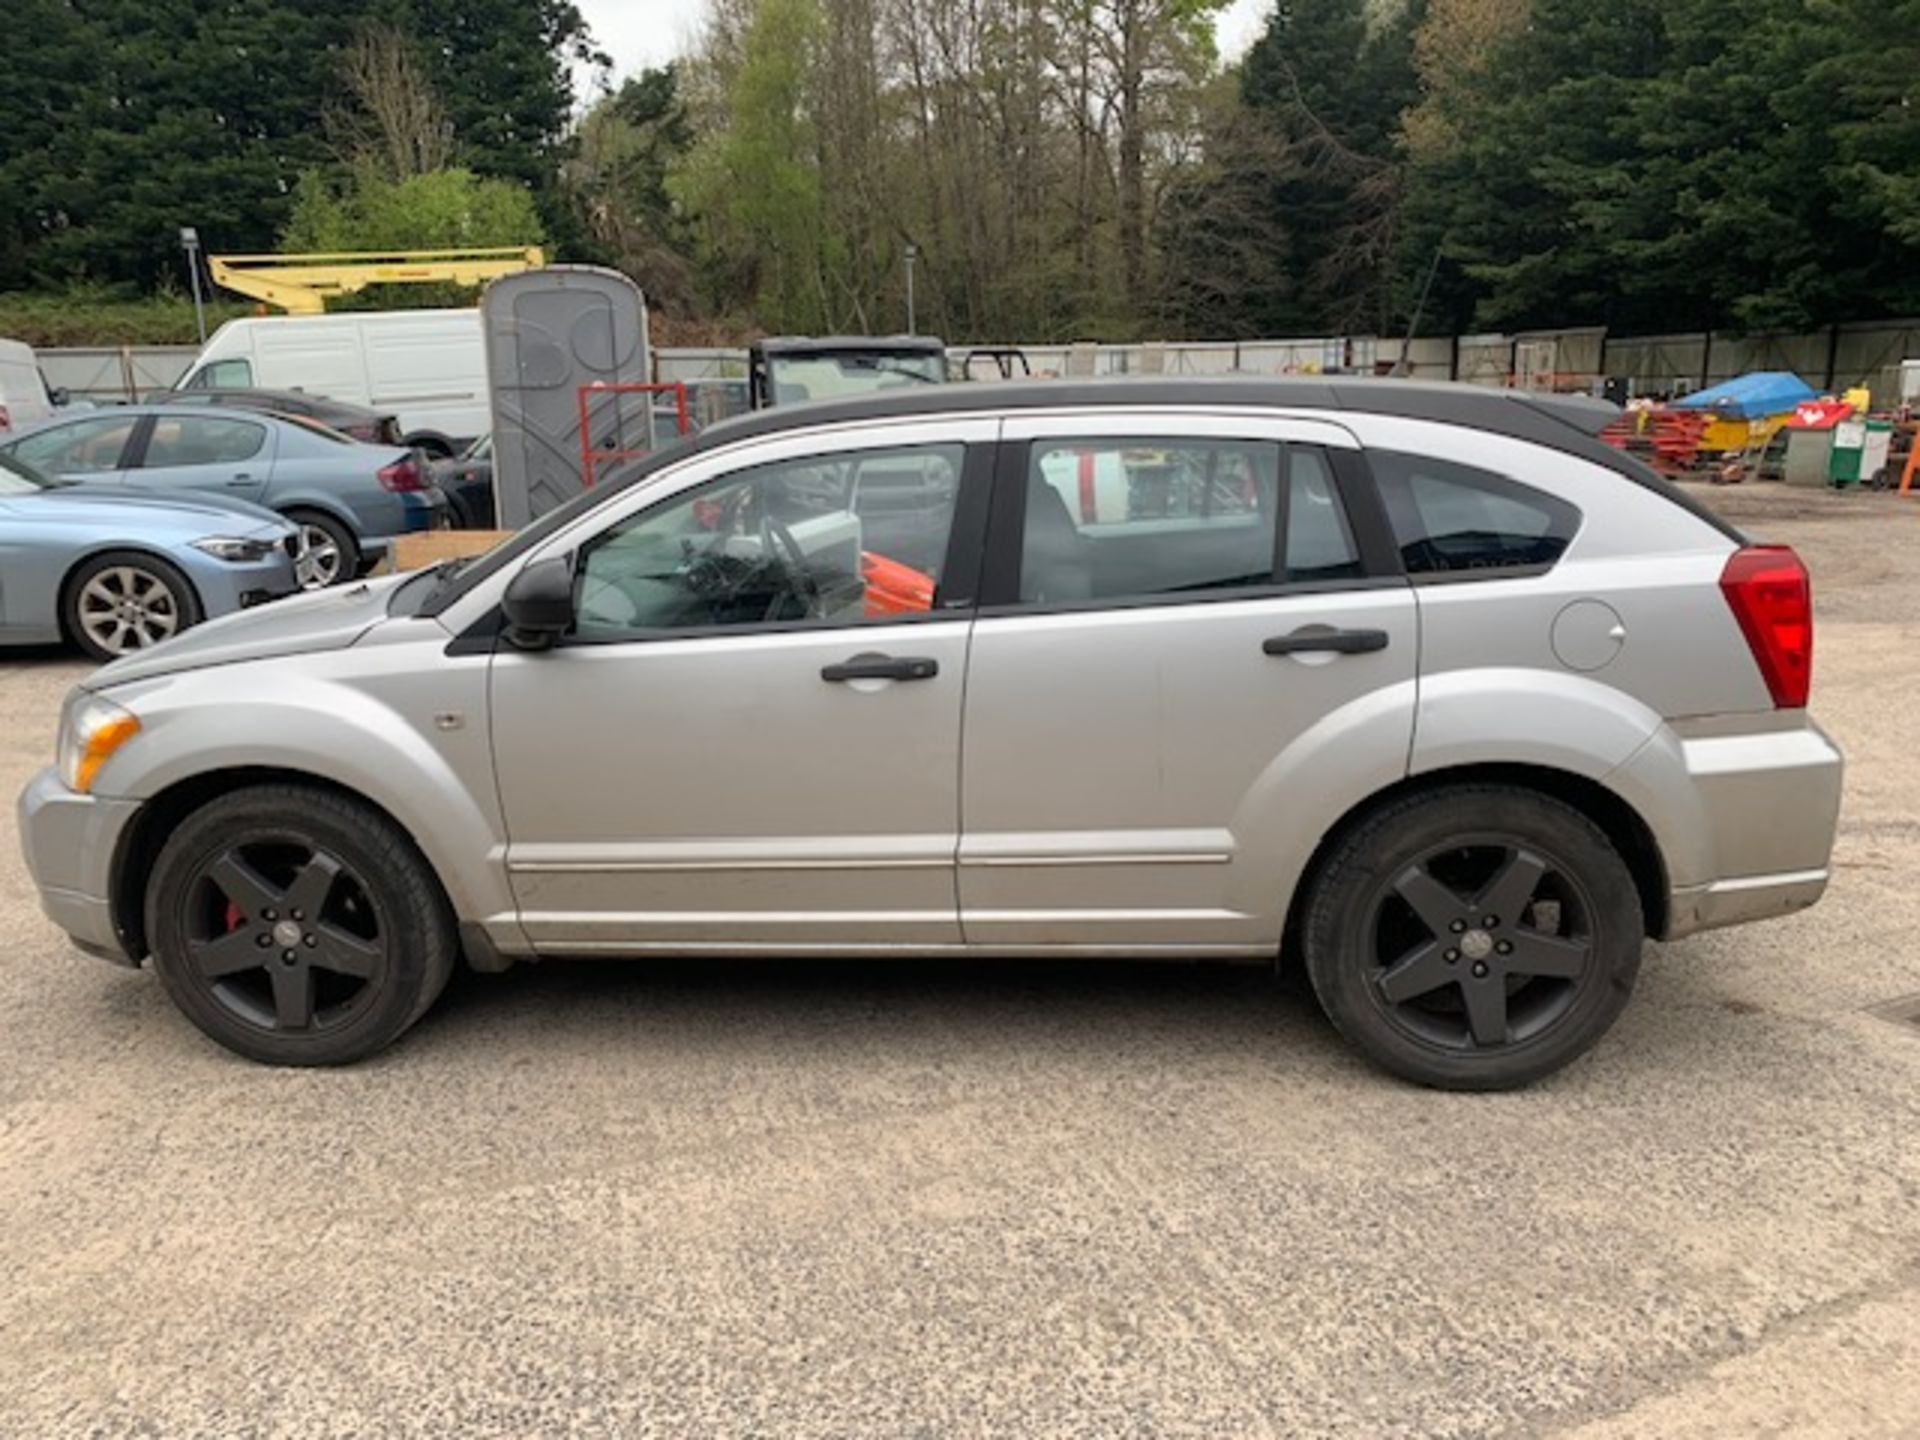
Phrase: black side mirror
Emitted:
{"points": [[539, 604], [59, 395]]}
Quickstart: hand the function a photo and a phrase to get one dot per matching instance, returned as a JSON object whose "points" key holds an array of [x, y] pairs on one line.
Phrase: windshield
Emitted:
{"points": [[828, 377], [19, 478], [481, 449]]}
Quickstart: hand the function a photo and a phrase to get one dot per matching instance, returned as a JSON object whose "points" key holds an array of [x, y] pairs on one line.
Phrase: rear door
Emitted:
{"points": [[222, 451], [1192, 630]]}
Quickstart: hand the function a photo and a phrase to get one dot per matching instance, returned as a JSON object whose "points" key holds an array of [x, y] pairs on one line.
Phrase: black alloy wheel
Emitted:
{"points": [[297, 925], [1475, 937]]}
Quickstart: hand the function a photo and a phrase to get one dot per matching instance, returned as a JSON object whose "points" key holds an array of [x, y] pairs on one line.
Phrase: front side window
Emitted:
{"points": [[1451, 519], [224, 375], [842, 538], [202, 440], [86, 447], [1120, 519]]}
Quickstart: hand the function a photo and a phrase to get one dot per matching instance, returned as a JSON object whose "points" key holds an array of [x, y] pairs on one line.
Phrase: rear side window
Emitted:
{"points": [[1451, 519], [1122, 519], [198, 440], [1320, 544]]}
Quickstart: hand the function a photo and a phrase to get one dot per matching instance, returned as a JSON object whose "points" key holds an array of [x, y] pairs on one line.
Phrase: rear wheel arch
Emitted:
{"points": [[1629, 834], [431, 443]]}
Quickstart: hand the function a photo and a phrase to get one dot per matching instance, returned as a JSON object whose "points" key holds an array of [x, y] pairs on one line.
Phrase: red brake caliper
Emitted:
{"points": [[235, 917]]}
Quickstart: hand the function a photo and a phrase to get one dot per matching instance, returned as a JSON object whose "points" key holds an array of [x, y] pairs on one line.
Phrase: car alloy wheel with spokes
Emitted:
{"points": [[1479, 944], [317, 561], [120, 602], [284, 935], [124, 608], [1474, 937], [297, 925]]}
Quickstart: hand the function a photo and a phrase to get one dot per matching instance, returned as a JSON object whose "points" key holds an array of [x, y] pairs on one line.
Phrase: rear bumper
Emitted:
{"points": [[1735, 902], [1744, 810], [70, 841]]}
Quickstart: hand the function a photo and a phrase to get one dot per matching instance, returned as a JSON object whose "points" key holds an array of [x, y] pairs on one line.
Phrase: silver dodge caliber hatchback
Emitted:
{"points": [[1422, 685]]}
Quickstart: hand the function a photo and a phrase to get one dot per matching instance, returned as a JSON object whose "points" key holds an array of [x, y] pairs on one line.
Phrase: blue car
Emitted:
{"points": [[117, 573], [348, 500]]}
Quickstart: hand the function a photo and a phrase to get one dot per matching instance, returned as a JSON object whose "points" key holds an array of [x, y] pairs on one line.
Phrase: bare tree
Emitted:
{"points": [[396, 123]]}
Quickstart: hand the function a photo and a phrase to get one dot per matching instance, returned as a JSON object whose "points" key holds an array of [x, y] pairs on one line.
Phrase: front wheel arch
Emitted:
{"points": [[1626, 831], [64, 592], [140, 843]]}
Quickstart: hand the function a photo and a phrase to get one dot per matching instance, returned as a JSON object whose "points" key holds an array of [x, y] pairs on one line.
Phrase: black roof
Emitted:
{"points": [[260, 398], [1546, 418]]}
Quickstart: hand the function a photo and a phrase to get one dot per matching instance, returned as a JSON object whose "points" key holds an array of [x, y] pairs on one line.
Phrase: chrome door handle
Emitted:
{"points": [[882, 667], [1338, 642]]}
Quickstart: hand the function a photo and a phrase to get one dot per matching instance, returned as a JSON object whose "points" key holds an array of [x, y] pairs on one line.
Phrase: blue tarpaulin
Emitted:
{"points": [[1751, 397]]}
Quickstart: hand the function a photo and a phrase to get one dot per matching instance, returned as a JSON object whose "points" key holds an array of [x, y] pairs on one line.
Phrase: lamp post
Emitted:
{"points": [[190, 242], [913, 254]]}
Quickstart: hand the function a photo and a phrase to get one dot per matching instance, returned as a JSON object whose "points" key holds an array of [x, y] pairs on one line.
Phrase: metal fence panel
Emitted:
{"points": [[111, 373]]}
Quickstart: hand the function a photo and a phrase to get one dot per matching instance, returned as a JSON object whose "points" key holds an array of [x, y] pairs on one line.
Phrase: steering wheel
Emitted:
{"points": [[799, 577]]}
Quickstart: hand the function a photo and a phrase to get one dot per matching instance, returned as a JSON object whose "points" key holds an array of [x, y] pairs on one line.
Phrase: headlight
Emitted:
{"points": [[236, 548], [91, 729]]}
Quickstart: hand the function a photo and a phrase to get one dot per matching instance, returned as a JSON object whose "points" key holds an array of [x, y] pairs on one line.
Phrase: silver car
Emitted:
{"points": [[1425, 688], [115, 574], [347, 499]]}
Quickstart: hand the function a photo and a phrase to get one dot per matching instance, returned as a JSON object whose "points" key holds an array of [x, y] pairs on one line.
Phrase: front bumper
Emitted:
{"points": [[226, 586], [70, 842]]}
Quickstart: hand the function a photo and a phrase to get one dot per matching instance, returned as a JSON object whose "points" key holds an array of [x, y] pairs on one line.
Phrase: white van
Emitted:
{"points": [[428, 367], [23, 392]]}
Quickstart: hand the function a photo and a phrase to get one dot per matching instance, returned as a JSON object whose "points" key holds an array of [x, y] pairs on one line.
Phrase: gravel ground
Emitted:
{"points": [[943, 1200]]}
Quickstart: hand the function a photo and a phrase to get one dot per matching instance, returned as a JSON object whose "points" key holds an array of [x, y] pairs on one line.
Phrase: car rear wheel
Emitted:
{"points": [[124, 601], [296, 926], [325, 551], [1474, 938]]}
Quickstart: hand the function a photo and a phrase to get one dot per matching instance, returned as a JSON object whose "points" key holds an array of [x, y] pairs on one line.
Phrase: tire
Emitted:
{"points": [[1407, 968], [328, 555], [124, 601], [368, 956]]}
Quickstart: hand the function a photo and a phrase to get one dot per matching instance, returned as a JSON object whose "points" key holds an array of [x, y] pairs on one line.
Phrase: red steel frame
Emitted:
{"points": [[589, 456]]}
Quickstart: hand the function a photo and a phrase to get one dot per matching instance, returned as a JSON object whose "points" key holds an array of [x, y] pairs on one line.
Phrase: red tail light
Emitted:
{"points": [[402, 475], [1768, 591]]}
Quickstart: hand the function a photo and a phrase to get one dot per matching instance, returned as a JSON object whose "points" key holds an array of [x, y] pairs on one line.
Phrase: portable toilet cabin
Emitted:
{"points": [[1747, 410]]}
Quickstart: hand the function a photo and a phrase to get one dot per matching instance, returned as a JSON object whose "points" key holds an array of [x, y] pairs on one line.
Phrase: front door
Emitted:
{"points": [[1184, 641], [751, 739]]}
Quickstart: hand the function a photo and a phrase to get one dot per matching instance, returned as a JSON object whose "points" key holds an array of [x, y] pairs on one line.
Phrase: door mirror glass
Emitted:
{"points": [[539, 603]]}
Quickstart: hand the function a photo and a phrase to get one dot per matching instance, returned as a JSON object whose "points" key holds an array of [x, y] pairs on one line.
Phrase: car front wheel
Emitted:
{"points": [[297, 926], [1477, 937], [123, 602]]}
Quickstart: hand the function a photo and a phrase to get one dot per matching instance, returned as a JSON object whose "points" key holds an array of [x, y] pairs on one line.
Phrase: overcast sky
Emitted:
{"points": [[639, 33]]}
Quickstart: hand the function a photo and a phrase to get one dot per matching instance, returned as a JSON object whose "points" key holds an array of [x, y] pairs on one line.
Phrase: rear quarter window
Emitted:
{"points": [[1458, 521]]}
